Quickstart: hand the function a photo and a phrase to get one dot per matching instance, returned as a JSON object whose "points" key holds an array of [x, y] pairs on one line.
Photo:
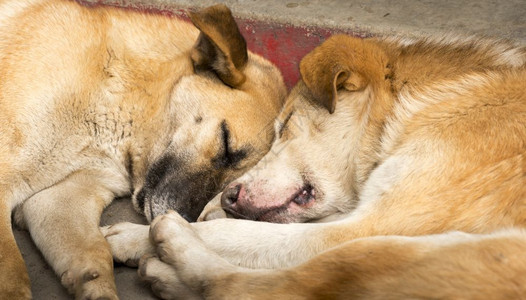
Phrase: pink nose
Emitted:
{"points": [[231, 195]]}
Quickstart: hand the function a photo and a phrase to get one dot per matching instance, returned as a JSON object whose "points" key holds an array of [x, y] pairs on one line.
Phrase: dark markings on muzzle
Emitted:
{"points": [[171, 183]]}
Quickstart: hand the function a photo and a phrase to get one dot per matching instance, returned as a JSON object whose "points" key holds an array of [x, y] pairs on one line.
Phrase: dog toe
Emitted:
{"points": [[89, 285], [163, 279], [170, 229], [128, 242]]}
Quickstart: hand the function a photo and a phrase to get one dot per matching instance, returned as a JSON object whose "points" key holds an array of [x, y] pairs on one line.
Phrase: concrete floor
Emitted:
{"points": [[505, 19], [410, 18]]}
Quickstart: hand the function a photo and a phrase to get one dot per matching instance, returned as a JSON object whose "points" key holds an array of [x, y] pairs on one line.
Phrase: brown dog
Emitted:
{"points": [[100, 102], [414, 139]]}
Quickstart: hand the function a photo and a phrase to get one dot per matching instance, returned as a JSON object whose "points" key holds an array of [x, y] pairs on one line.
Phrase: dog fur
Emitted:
{"points": [[421, 142], [100, 102]]}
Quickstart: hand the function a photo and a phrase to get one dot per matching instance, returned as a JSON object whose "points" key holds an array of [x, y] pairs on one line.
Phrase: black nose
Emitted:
{"points": [[230, 195]]}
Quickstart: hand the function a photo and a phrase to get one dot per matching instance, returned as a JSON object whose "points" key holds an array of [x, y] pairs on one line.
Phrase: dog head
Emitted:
{"points": [[315, 163], [221, 114]]}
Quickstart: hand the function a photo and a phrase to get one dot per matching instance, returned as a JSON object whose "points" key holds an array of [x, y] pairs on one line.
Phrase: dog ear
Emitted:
{"points": [[220, 46], [340, 62]]}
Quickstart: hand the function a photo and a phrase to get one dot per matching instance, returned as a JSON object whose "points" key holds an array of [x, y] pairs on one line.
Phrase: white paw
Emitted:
{"points": [[178, 245], [163, 279], [128, 242]]}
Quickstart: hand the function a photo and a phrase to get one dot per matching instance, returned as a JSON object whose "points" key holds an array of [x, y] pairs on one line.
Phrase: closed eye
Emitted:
{"points": [[227, 157], [225, 138], [284, 124]]}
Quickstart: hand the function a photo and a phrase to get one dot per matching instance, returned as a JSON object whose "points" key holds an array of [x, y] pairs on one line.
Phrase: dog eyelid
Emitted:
{"points": [[225, 137], [284, 124], [227, 157]]}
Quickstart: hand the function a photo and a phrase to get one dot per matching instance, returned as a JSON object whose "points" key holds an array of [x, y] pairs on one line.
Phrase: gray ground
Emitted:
{"points": [[404, 17], [412, 18]]}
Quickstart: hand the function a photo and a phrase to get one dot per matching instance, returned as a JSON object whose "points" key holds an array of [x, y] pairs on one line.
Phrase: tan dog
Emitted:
{"points": [[99, 102], [415, 139]]}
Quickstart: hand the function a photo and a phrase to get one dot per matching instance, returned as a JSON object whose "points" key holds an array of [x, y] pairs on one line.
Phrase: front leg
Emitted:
{"points": [[185, 268], [14, 280], [453, 265], [266, 245], [63, 222], [240, 242]]}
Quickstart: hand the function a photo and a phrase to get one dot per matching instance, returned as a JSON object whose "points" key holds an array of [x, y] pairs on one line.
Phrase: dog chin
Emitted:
{"points": [[291, 214], [282, 219], [144, 205], [137, 205]]}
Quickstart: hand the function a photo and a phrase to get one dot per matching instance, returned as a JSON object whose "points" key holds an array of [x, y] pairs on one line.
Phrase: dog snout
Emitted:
{"points": [[231, 195]]}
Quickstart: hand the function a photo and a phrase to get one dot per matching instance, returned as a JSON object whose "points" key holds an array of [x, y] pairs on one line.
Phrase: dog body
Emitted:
{"points": [[98, 103], [422, 143]]}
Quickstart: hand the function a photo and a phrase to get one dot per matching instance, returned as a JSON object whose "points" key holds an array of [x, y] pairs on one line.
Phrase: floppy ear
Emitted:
{"points": [[340, 62], [220, 46]]}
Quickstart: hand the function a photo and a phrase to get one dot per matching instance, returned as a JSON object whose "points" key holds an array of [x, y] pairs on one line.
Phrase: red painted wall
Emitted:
{"points": [[283, 44]]}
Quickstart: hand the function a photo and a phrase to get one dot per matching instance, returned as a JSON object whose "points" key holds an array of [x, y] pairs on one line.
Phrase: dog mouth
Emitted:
{"points": [[303, 198]]}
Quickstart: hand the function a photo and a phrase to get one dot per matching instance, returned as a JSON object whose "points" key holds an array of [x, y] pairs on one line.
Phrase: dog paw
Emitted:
{"points": [[128, 242], [171, 228], [163, 279], [89, 284], [178, 245], [174, 238]]}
